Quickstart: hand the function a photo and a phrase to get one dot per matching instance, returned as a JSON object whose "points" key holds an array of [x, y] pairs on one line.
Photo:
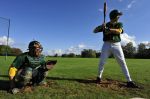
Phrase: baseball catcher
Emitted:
{"points": [[29, 68]]}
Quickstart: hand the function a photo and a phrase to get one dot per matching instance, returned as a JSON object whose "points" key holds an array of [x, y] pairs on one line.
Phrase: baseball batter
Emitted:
{"points": [[111, 37]]}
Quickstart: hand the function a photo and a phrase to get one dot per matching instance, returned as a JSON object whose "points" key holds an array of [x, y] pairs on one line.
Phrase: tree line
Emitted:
{"points": [[142, 51], [10, 51]]}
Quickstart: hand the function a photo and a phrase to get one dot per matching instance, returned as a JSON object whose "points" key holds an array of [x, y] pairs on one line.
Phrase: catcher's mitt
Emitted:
{"points": [[50, 64]]}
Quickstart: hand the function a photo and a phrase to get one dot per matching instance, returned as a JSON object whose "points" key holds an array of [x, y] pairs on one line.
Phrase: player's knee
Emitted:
{"points": [[25, 75]]}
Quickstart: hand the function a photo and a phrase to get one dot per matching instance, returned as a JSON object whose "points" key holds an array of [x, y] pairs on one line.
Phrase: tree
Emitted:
{"points": [[141, 48], [71, 55], [98, 54], [89, 53], [64, 55], [15, 51], [10, 51], [56, 55], [3, 50], [142, 51], [129, 50]]}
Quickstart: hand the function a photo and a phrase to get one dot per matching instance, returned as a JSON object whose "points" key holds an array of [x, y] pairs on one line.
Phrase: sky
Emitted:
{"points": [[66, 26]]}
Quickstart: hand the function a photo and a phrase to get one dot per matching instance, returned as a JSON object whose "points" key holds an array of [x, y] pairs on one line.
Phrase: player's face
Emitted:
{"points": [[115, 19], [37, 51]]}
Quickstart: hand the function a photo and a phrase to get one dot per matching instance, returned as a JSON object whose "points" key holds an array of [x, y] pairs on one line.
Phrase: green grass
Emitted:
{"points": [[72, 78]]}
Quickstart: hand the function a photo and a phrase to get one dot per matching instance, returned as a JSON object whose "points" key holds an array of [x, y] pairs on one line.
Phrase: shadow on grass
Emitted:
{"points": [[107, 83], [5, 76], [73, 79], [4, 84]]}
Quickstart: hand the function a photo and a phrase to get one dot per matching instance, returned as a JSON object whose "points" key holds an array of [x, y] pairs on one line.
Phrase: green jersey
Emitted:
{"points": [[111, 36], [25, 60]]}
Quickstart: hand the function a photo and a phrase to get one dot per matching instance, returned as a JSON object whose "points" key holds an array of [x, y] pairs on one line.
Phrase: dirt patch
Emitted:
{"points": [[112, 84], [27, 89], [117, 85], [105, 83]]}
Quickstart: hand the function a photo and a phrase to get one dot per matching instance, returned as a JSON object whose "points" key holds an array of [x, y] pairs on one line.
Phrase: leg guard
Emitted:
{"points": [[24, 76]]}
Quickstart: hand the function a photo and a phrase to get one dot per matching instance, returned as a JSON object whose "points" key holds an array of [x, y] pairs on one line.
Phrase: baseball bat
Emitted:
{"points": [[105, 8]]}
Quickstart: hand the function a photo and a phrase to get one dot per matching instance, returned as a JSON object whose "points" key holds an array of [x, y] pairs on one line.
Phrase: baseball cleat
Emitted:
{"points": [[131, 84], [98, 80]]}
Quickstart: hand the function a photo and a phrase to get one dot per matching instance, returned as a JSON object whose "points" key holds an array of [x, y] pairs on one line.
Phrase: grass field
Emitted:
{"points": [[73, 78]]}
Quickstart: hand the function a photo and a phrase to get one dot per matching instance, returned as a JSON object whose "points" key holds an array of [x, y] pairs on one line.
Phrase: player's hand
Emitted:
{"points": [[106, 30], [104, 26]]}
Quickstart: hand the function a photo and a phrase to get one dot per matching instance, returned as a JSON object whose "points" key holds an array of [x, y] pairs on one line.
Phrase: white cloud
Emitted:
{"points": [[3, 41], [125, 38], [56, 51], [81, 46], [130, 5], [73, 49], [147, 43]]}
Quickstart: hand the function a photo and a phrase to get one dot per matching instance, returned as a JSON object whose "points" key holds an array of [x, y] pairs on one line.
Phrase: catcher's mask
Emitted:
{"points": [[35, 48]]}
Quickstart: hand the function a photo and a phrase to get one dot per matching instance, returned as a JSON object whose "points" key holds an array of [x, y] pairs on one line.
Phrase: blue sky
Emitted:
{"points": [[64, 26]]}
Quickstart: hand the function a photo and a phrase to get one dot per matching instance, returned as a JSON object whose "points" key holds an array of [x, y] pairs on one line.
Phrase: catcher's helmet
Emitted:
{"points": [[35, 44], [114, 13]]}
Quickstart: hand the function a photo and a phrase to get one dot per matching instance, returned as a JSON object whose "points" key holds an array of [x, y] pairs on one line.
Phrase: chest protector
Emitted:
{"points": [[34, 62]]}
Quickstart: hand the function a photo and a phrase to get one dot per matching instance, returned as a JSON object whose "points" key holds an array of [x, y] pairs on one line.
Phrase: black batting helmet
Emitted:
{"points": [[114, 13]]}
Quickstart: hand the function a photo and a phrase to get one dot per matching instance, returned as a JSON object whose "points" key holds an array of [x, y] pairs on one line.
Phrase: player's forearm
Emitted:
{"points": [[98, 29], [116, 31]]}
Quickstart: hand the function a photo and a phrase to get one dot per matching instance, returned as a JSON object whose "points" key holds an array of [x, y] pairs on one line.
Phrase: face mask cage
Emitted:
{"points": [[40, 49], [35, 47]]}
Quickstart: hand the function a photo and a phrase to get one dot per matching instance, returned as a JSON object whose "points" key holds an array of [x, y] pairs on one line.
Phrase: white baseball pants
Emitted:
{"points": [[116, 50]]}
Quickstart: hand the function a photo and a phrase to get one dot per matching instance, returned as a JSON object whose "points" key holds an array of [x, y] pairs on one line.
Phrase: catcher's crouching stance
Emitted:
{"points": [[29, 68]]}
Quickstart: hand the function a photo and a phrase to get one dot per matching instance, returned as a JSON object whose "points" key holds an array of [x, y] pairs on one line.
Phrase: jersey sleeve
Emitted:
{"points": [[19, 60], [120, 26], [98, 29]]}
